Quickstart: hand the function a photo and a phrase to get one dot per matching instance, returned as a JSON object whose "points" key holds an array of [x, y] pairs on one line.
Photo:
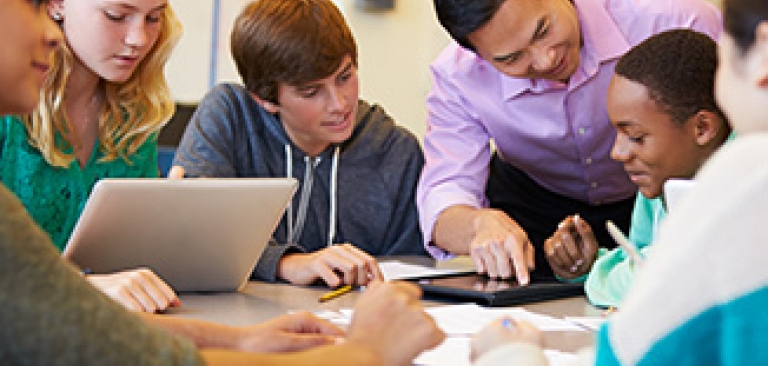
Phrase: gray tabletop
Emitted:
{"points": [[260, 301]]}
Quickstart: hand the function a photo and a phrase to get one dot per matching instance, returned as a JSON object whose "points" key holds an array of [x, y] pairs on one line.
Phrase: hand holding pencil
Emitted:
{"points": [[572, 249], [336, 265]]}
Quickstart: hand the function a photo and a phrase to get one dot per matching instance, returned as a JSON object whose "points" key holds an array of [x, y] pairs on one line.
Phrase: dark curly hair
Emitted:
{"points": [[678, 68], [461, 17]]}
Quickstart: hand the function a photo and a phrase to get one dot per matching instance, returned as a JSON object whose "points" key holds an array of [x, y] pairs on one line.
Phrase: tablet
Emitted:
{"points": [[494, 292], [196, 234]]}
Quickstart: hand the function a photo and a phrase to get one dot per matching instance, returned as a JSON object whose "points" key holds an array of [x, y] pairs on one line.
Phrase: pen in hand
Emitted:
{"points": [[624, 243], [335, 293]]}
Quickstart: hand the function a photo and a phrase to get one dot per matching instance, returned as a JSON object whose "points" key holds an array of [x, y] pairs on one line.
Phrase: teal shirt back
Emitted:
{"points": [[54, 196]]}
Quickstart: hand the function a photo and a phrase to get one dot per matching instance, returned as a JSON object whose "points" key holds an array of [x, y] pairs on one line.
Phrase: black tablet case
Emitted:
{"points": [[539, 289]]}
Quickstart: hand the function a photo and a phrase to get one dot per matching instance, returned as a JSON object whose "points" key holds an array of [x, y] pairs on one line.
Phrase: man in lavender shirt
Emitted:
{"points": [[530, 76]]}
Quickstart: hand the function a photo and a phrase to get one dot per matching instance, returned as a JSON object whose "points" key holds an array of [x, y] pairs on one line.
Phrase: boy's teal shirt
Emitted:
{"points": [[611, 274], [55, 196]]}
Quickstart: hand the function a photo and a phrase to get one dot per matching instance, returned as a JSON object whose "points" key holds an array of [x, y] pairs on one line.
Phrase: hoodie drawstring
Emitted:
{"points": [[332, 197], [289, 209], [295, 232]]}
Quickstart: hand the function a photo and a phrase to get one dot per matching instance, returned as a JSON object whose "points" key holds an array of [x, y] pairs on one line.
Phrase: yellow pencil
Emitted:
{"points": [[335, 293]]}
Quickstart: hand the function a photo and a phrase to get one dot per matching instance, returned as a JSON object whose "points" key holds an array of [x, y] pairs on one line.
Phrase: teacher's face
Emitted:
{"points": [[535, 39]]}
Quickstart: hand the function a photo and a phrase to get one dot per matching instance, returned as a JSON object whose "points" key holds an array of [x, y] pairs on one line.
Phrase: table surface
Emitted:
{"points": [[260, 301]]}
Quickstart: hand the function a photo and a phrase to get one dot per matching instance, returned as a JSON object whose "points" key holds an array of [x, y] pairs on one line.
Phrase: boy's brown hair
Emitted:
{"points": [[289, 41]]}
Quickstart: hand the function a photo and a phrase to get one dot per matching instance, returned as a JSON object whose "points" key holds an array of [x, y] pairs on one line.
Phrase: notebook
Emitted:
{"points": [[196, 234], [675, 190], [492, 292]]}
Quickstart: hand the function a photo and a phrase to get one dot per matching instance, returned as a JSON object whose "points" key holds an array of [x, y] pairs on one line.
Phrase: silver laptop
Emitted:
{"points": [[196, 234], [675, 191]]}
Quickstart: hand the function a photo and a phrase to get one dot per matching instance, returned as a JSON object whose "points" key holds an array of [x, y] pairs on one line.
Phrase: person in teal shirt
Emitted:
{"points": [[701, 296], [662, 103], [103, 102]]}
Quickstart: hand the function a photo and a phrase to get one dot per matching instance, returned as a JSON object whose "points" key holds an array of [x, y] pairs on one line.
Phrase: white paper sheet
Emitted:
{"points": [[467, 319], [454, 351], [592, 323], [461, 321], [471, 318], [395, 270]]}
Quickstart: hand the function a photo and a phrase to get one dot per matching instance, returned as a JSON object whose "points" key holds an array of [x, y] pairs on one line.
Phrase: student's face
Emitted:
{"points": [[652, 147], [27, 37], [111, 37], [741, 85], [535, 39], [321, 112]]}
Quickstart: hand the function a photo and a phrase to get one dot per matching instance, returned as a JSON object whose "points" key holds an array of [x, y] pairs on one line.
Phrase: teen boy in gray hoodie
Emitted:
{"points": [[299, 116]]}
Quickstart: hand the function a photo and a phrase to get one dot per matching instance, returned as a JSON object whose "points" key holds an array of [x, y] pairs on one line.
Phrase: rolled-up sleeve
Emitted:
{"points": [[457, 154]]}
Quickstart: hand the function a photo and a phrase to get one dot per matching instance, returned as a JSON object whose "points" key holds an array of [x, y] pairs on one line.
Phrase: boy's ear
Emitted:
{"points": [[707, 126], [267, 105], [761, 45]]}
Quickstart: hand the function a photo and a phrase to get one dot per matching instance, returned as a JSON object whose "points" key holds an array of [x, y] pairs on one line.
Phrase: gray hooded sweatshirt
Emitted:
{"points": [[359, 192]]}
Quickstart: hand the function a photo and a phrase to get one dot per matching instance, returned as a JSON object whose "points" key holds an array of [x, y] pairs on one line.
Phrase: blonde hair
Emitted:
{"points": [[132, 113]]}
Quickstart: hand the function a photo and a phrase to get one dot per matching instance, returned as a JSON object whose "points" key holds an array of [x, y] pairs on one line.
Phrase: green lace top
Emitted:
{"points": [[54, 196]]}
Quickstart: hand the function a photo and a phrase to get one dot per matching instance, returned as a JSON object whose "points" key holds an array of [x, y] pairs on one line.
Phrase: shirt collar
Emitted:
{"points": [[603, 41]]}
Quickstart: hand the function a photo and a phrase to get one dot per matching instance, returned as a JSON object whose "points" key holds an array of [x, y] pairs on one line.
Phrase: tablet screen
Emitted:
{"points": [[477, 282]]}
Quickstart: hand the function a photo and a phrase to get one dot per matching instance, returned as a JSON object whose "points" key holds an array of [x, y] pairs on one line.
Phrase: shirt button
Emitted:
{"points": [[594, 185], [588, 161], [582, 130]]}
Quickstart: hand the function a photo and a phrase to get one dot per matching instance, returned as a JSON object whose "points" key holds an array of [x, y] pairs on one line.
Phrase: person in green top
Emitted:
{"points": [[662, 103], [102, 104]]}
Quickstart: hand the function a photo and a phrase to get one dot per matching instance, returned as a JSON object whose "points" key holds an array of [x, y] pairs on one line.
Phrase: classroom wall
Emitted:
{"points": [[395, 48]]}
